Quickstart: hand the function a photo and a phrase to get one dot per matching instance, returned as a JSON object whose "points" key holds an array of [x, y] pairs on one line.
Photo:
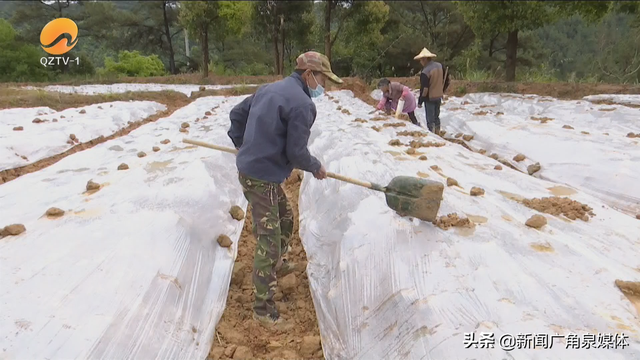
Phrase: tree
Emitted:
{"points": [[489, 18], [283, 23], [199, 18]]}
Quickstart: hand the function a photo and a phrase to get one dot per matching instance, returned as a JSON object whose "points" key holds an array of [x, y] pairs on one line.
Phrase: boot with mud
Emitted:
{"points": [[285, 268], [268, 320], [437, 130]]}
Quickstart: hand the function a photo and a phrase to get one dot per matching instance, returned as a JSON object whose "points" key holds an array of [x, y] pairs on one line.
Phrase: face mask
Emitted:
{"points": [[318, 91]]}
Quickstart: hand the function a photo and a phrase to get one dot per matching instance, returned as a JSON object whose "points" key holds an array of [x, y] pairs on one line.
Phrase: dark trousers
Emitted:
{"points": [[412, 116], [432, 109]]}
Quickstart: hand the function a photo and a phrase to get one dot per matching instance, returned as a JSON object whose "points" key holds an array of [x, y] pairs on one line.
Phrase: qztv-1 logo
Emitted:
{"points": [[57, 38]]}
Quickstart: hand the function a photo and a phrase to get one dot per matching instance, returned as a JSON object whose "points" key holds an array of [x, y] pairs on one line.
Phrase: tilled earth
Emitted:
{"points": [[238, 336]]}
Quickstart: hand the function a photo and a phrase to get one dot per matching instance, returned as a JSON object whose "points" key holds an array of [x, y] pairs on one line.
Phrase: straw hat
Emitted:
{"points": [[424, 54]]}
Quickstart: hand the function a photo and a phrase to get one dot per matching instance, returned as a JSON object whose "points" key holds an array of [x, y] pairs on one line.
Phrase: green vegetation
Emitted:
{"points": [[531, 41]]}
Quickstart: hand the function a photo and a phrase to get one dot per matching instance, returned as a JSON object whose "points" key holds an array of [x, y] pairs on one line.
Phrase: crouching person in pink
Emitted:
{"points": [[392, 92]]}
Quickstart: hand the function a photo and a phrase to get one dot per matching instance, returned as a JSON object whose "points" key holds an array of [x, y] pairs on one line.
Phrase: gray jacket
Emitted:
{"points": [[271, 129]]}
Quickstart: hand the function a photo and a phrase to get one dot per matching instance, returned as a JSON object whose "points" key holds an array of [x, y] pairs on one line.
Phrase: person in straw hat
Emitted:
{"points": [[433, 83], [271, 130]]}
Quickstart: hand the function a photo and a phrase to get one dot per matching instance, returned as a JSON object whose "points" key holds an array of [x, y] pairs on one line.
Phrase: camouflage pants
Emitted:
{"points": [[272, 228]]}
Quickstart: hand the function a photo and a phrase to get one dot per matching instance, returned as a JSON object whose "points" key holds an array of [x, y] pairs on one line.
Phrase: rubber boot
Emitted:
{"points": [[437, 130]]}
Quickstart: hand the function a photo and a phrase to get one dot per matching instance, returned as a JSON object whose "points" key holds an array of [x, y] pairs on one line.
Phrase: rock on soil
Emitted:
{"points": [[519, 158], [142, 154], [560, 206], [435, 167], [92, 185], [567, 127], [62, 116], [395, 142], [55, 120], [482, 151], [376, 128], [584, 132], [452, 220], [123, 166], [467, 137], [480, 113], [236, 212], [224, 241], [458, 135], [360, 120], [208, 113], [12, 230], [423, 157], [476, 191], [452, 182], [533, 168], [54, 212], [411, 151], [165, 141], [155, 149], [536, 221], [184, 125], [345, 111], [288, 284], [498, 167], [183, 130], [494, 156], [632, 135], [18, 128], [83, 111], [37, 121]]}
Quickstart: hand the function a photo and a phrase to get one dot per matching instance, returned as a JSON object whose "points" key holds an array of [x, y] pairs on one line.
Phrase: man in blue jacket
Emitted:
{"points": [[271, 130]]}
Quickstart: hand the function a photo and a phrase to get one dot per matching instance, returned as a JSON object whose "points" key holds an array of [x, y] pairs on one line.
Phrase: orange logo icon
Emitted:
{"points": [[59, 36]]}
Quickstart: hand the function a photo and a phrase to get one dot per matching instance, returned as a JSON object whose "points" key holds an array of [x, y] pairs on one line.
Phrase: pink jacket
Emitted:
{"points": [[397, 91]]}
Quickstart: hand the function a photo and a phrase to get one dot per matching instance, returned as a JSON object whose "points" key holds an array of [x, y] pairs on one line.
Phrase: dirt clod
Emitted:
{"points": [[123, 166], [482, 151], [542, 120], [62, 116], [184, 125], [423, 157], [452, 220], [202, 88], [584, 132], [435, 167], [155, 149], [458, 135], [498, 167], [519, 158], [556, 206], [567, 127], [452, 182], [54, 212], [420, 144], [395, 142], [224, 241], [411, 151], [395, 125], [18, 128], [536, 221], [533, 168], [632, 135], [339, 107], [346, 111], [359, 120], [37, 121], [638, 216], [142, 154], [499, 113], [54, 120], [236, 212], [442, 133], [243, 352], [92, 185], [476, 191], [288, 284], [73, 137], [165, 141], [467, 137], [411, 133], [207, 113], [13, 230], [480, 113], [310, 345], [83, 111], [494, 156], [376, 128]]}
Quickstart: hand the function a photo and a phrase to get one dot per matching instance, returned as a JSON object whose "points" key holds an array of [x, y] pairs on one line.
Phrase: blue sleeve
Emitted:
{"points": [[424, 84], [299, 124], [238, 117]]}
